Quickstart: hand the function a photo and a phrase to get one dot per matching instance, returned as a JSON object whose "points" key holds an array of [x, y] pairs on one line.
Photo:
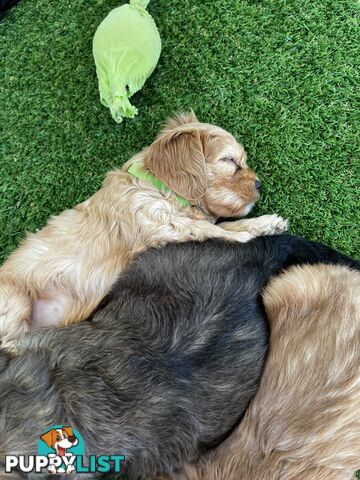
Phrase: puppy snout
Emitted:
{"points": [[257, 184], [72, 439]]}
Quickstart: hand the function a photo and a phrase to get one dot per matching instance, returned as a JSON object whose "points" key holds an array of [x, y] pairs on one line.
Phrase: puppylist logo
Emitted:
{"points": [[61, 450]]}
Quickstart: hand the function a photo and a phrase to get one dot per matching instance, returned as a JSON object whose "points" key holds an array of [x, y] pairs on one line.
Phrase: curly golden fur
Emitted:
{"points": [[59, 274], [304, 423]]}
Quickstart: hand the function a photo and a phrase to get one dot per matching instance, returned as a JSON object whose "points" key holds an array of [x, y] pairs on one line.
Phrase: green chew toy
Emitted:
{"points": [[126, 50]]}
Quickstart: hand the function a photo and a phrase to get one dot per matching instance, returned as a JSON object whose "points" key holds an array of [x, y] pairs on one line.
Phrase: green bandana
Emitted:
{"points": [[135, 171]]}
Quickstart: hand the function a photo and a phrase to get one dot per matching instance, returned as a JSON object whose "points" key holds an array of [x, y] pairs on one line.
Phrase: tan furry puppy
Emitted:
{"points": [[58, 275], [304, 423]]}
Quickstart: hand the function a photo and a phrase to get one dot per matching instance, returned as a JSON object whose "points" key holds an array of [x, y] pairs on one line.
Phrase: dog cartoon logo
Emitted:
{"points": [[61, 449], [61, 440]]}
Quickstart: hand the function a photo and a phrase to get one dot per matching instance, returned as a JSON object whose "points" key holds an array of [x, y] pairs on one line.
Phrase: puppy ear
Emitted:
{"points": [[177, 159], [69, 431], [181, 119], [48, 438]]}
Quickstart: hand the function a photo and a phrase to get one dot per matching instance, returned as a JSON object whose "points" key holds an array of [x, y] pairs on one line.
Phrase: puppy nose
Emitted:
{"points": [[71, 438], [257, 184]]}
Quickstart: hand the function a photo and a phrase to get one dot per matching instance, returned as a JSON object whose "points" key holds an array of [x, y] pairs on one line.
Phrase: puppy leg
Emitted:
{"points": [[264, 225], [239, 231], [15, 312], [50, 277], [201, 230]]}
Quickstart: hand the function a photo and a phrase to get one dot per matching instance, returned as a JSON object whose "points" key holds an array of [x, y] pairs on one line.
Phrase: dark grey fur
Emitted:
{"points": [[166, 366], [5, 5]]}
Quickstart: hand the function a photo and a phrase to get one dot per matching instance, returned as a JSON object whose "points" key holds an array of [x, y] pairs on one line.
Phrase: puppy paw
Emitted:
{"points": [[70, 469], [14, 312], [274, 224], [255, 227], [11, 343], [11, 330], [52, 469]]}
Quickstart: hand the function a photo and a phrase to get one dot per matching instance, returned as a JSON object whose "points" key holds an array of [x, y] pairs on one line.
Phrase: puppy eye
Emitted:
{"points": [[231, 159], [57, 437]]}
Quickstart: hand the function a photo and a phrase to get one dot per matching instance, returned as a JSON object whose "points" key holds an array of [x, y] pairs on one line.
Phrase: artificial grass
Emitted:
{"points": [[281, 75]]}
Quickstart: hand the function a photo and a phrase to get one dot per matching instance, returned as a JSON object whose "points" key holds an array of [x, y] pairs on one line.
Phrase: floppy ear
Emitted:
{"points": [[177, 159], [48, 438], [69, 431]]}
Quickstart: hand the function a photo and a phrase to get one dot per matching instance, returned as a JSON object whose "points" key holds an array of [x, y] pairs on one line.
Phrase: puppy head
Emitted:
{"points": [[204, 164], [63, 437]]}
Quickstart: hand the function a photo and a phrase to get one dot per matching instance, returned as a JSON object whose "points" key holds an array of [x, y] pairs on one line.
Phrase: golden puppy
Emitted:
{"points": [[304, 423], [58, 275]]}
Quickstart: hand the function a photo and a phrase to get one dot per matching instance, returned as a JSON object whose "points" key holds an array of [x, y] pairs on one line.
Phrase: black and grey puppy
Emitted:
{"points": [[166, 366], [5, 5]]}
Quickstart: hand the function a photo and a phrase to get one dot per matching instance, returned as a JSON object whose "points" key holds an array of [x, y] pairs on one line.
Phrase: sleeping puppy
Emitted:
{"points": [[304, 423], [165, 367], [172, 191]]}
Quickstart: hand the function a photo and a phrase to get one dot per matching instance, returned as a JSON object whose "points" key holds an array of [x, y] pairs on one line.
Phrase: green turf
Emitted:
{"points": [[280, 74]]}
